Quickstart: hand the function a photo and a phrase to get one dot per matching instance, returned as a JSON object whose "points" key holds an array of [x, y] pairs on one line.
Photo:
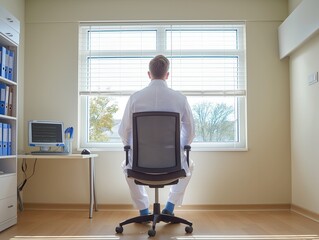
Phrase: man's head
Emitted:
{"points": [[158, 68]]}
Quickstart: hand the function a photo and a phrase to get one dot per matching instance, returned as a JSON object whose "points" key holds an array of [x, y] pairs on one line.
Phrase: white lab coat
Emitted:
{"points": [[158, 97]]}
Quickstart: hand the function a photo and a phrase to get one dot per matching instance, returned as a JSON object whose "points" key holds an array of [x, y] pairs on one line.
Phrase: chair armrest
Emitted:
{"points": [[187, 148], [126, 149]]}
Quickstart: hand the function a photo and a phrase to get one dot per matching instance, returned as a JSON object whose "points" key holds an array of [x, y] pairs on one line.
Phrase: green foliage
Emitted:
{"points": [[212, 122], [101, 118]]}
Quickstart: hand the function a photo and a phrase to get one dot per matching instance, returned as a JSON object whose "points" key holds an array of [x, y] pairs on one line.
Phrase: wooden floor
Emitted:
{"points": [[207, 225]]}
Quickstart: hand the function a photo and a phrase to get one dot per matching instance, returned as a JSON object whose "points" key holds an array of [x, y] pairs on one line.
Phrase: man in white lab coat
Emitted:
{"points": [[157, 96]]}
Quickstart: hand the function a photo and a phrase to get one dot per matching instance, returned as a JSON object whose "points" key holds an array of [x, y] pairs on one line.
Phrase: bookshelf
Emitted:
{"points": [[9, 42]]}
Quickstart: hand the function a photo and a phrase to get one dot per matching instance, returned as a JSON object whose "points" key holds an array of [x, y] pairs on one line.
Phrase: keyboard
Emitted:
{"points": [[48, 153]]}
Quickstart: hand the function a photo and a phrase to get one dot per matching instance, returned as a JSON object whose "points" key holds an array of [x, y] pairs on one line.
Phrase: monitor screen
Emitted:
{"points": [[46, 134]]}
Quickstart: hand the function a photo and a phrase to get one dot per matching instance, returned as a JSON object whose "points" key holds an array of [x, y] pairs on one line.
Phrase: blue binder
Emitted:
{"points": [[10, 65], [6, 101], [3, 57], [4, 139], [2, 98], [9, 139], [7, 64], [1, 141]]}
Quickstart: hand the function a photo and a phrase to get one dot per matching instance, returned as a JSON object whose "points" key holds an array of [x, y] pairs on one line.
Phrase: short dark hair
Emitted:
{"points": [[159, 66]]}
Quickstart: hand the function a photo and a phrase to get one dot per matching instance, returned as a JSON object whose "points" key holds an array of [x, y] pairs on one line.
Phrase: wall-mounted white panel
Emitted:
{"points": [[300, 25]]}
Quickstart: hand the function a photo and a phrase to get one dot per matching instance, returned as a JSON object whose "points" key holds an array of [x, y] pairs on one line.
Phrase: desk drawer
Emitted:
{"points": [[8, 185], [8, 208]]}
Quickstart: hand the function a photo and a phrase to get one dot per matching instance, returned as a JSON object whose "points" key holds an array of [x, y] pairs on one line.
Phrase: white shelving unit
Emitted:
{"points": [[9, 38]]}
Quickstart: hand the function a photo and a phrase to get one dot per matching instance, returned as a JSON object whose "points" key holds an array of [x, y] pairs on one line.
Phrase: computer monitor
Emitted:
{"points": [[46, 134]]}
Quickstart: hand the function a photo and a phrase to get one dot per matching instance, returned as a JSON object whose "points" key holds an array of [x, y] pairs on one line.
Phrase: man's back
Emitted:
{"points": [[158, 97]]}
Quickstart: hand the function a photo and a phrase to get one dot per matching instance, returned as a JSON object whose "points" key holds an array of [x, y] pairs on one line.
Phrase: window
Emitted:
{"points": [[207, 64]]}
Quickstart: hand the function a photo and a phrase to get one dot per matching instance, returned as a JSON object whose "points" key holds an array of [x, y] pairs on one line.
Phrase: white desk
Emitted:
{"points": [[91, 157]]}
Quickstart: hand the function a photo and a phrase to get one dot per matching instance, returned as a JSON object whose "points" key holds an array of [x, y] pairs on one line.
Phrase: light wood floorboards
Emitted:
{"points": [[207, 225]]}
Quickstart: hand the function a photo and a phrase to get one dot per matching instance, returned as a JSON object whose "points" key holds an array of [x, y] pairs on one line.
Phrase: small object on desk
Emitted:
{"points": [[68, 146], [68, 136], [68, 133], [86, 151]]}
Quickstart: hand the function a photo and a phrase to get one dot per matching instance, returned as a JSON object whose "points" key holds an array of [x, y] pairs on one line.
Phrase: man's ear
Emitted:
{"points": [[167, 74], [149, 74]]}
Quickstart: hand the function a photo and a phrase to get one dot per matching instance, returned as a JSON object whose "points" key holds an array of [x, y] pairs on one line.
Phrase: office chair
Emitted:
{"points": [[156, 161]]}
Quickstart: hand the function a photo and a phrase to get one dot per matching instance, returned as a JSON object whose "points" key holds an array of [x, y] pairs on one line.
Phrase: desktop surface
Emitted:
{"points": [[53, 156]]}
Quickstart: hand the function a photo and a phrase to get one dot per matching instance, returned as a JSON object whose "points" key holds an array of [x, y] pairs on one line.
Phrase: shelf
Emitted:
{"points": [[7, 81], [7, 117], [4, 40], [7, 174], [8, 156]]}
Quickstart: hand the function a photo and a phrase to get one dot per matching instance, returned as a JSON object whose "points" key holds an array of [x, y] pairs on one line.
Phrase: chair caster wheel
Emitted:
{"points": [[119, 229], [151, 232], [189, 229]]}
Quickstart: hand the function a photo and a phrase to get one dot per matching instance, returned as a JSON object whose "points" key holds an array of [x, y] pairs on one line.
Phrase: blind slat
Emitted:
{"points": [[238, 93]]}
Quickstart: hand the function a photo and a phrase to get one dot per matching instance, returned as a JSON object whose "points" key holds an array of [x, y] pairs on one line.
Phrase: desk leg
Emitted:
{"points": [[94, 195], [92, 187]]}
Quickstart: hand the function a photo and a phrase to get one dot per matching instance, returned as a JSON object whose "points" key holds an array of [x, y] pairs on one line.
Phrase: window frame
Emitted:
{"points": [[240, 53]]}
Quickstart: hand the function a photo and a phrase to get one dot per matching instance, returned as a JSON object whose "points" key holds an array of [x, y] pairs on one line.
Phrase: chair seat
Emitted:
{"points": [[157, 180]]}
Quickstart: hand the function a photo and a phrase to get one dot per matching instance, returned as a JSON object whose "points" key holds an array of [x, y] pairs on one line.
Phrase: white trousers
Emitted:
{"points": [[176, 194]]}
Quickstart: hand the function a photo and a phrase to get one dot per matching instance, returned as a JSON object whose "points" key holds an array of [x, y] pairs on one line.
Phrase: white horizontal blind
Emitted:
{"points": [[206, 59], [207, 65]]}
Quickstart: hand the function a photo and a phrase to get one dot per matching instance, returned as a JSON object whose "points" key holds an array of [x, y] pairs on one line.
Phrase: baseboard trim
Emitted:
{"points": [[237, 207], [126, 207], [75, 206], [207, 207], [305, 212], [55, 206]]}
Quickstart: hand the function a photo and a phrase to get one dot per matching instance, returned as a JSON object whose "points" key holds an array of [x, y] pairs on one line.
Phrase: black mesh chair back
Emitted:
{"points": [[156, 142]]}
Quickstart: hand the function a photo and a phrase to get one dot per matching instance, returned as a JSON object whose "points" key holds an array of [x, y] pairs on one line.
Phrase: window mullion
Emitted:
{"points": [[160, 40]]}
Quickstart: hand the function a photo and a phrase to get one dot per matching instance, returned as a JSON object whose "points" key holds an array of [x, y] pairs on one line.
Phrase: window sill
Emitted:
{"points": [[196, 147]]}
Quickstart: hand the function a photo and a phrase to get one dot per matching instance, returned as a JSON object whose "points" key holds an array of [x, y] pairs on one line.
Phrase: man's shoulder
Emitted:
{"points": [[139, 92], [166, 90], [176, 93]]}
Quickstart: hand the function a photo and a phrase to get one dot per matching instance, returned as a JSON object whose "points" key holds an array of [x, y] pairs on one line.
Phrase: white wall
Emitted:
{"points": [[303, 61], [304, 125], [261, 175]]}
